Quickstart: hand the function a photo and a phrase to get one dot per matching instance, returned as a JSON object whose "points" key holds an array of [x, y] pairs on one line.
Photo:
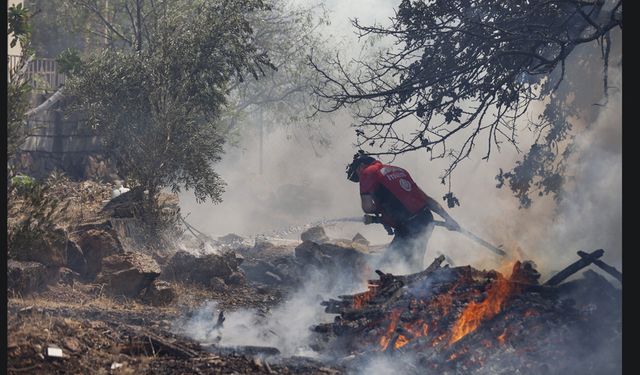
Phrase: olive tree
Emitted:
{"points": [[157, 98]]}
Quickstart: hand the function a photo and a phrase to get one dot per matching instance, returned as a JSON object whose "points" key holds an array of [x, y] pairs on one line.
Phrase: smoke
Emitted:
{"points": [[385, 364], [285, 327]]}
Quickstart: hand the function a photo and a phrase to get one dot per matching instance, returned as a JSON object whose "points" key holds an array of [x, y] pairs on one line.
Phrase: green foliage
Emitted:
{"points": [[19, 27], [158, 108], [18, 89], [17, 105], [61, 25], [69, 61], [542, 169], [39, 213], [23, 185]]}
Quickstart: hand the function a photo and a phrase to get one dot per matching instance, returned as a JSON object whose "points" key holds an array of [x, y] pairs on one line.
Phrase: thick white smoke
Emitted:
{"points": [[286, 327]]}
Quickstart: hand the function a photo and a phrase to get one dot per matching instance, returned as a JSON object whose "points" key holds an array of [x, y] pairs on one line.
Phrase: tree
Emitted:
{"points": [[284, 97], [468, 69], [156, 99], [290, 34], [18, 88]]}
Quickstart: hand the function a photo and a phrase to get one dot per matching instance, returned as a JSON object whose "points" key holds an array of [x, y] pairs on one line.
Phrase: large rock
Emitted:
{"points": [[96, 242], [359, 239], [159, 293], [185, 266], [260, 271], [125, 205], [128, 274], [24, 278], [68, 277], [129, 204], [236, 278], [75, 258], [315, 234], [48, 249], [332, 257], [217, 284]]}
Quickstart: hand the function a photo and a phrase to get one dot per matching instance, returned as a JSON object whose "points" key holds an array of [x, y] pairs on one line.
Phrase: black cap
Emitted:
{"points": [[361, 158]]}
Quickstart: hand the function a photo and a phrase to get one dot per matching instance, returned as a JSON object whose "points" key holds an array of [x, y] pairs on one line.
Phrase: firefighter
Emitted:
{"points": [[390, 196]]}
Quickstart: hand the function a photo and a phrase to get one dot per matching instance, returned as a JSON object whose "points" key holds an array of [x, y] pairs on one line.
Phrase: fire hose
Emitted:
{"points": [[370, 219]]}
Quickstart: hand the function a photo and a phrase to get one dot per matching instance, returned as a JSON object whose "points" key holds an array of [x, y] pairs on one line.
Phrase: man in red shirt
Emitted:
{"points": [[390, 193]]}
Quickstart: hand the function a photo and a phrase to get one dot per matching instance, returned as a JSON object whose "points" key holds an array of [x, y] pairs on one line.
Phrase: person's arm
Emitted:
{"points": [[368, 204], [368, 184], [434, 206]]}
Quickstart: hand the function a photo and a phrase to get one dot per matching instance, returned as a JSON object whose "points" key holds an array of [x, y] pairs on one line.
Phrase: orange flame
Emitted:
{"points": [[502, 337], [475, 312], [417, 329], [458, 354], [401, 341], [384, 340], [444, 301], [438, 339], [361, 299]]}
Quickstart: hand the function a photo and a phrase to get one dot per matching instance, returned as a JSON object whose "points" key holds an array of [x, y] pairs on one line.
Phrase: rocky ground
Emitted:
{"points": [[102, 332], [89, 299]]}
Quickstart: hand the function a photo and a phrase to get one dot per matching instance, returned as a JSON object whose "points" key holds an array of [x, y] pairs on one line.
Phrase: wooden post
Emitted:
{"points": [[574, 267], [607, 268]]}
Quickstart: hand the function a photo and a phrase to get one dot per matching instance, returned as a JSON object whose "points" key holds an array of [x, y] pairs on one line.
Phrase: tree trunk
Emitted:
{"points": [[139, 25]]}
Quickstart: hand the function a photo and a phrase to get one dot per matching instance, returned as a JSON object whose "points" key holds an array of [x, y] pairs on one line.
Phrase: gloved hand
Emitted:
{"points": [[371, 219]]}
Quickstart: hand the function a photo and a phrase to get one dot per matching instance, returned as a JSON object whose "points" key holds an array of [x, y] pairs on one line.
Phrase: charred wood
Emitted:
{"points": [[605, 267], [575, 267], [159, 345]]}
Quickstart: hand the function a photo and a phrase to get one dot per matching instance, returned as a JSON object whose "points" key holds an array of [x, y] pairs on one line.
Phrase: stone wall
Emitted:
{"points": [[57, 140]]}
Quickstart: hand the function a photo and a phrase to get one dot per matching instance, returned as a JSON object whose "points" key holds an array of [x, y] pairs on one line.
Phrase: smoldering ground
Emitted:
{"points": [[286, 327]]}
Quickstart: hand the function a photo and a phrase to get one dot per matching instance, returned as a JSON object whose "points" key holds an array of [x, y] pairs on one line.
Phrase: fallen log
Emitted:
{"points": [[605, 267], [246, 350], [369, 313], [382, 292], [162, 345], [422, 274], [574, 267]]}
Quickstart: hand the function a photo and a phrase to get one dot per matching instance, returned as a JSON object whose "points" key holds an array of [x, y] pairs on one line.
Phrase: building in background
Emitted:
{"points": [[57, 140]]}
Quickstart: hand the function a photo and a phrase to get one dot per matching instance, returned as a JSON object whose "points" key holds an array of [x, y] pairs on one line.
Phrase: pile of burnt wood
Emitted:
{"points": [[451, 320]]}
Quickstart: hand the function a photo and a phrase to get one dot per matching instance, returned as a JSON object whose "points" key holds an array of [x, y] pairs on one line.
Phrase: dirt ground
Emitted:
{"points": [[99, 334]]}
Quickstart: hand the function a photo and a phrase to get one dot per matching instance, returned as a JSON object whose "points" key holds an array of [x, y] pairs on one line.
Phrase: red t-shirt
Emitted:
{"points": [[395, 193]]}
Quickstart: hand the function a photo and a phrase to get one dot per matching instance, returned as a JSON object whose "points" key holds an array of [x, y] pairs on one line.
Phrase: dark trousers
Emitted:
{"points": [[410, 241]]}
